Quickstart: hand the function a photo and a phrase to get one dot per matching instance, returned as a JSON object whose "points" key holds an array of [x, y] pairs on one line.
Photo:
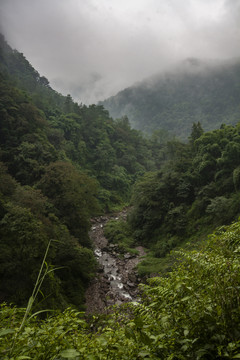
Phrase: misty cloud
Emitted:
{"points": [[94, 48]]}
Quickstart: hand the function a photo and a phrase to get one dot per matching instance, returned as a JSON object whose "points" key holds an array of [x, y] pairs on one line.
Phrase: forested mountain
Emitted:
{"points": [[61, 163], [208, 92]]}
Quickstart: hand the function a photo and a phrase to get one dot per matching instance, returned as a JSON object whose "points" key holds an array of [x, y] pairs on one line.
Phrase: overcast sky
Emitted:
{"points": [[94, 48]]}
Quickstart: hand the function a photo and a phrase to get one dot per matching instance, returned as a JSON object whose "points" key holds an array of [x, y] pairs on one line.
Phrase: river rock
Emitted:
{"points": [[132, 277], [100, 269], [116, 281]]}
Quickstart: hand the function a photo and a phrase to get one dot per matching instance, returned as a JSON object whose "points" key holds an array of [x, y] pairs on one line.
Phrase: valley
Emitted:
{"points": [[117, 279]]}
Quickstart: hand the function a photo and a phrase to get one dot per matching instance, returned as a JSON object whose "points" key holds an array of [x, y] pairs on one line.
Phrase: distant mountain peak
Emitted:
{"points": [[196, 90]]}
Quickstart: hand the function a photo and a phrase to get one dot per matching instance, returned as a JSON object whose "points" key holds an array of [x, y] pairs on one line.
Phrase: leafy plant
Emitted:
{"points": [[193, 313]]}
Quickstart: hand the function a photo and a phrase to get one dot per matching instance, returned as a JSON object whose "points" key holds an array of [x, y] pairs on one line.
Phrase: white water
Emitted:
{"points": [[110, 268]]}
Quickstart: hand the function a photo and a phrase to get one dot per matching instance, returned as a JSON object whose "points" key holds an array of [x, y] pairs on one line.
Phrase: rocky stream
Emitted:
{"points": [[116, 281]]}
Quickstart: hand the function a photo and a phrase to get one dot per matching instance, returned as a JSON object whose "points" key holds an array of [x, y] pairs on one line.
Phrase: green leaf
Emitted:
{"points": [[30, 303], [39, 312], [237, 356], [6, 332], [129, 333], [145, 339], [91, 357], [138, 322], [143, 354], [185, 347], [201, 352], [186, 298], [69, 353]]}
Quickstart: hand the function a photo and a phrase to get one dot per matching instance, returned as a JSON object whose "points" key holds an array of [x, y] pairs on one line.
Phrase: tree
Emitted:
{"points": [[23, 244], [44, 81], [196, 132], [73, 195]]}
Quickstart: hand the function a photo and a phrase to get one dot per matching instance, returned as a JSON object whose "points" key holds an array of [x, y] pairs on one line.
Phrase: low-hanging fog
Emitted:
{"points": [[94, 48]]}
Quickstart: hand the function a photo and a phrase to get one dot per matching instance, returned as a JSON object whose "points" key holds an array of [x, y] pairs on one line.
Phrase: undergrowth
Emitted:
{"points": [[193, 313]]}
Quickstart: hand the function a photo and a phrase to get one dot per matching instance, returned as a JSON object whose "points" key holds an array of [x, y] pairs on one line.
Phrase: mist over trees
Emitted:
{"points": [[205, 91]]}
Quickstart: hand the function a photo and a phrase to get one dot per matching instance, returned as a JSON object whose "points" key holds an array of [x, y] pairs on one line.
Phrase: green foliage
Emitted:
{"points": [[73, 195], [23, 241], [219, 207], [197, 307], [27, 224], [196, 132], [152, 265], [196, 189], [236, 178], [7, 184], [119, 232], [60, 164], [193, 313], [79, 267]]}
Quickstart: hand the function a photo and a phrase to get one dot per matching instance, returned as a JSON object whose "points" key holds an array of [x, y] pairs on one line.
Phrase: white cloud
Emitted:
{"points": [[93, 48]]}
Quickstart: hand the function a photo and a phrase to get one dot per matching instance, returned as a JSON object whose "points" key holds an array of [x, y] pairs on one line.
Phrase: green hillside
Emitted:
{"points": [[208, 92], [60, 164], [196, 190], [191, 314]]}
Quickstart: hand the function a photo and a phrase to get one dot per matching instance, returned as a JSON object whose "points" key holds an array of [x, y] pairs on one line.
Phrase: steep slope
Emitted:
{"points": [[61, 163], [208, 92]]}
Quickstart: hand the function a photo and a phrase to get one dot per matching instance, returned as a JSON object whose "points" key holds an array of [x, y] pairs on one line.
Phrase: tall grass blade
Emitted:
{"points": [[41, 276]]}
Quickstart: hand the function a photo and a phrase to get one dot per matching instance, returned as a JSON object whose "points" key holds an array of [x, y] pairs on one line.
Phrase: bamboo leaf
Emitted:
{"points": [[69, 353], [39, 312], [4, 332]]}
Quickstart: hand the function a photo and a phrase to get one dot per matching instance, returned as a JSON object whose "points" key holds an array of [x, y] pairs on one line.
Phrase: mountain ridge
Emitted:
{"points": [[194, 91]]}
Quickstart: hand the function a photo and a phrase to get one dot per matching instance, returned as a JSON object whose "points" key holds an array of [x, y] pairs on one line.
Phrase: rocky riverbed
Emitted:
{"points": [[116, 281]]}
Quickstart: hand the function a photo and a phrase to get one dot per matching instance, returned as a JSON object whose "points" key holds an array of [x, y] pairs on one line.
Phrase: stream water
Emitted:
{"points": [[117, 280]]}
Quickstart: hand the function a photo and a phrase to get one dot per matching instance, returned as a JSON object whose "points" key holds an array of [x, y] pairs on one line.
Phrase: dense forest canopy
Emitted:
{"points": [[61, 164], [194, 91], [197, 190]]}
